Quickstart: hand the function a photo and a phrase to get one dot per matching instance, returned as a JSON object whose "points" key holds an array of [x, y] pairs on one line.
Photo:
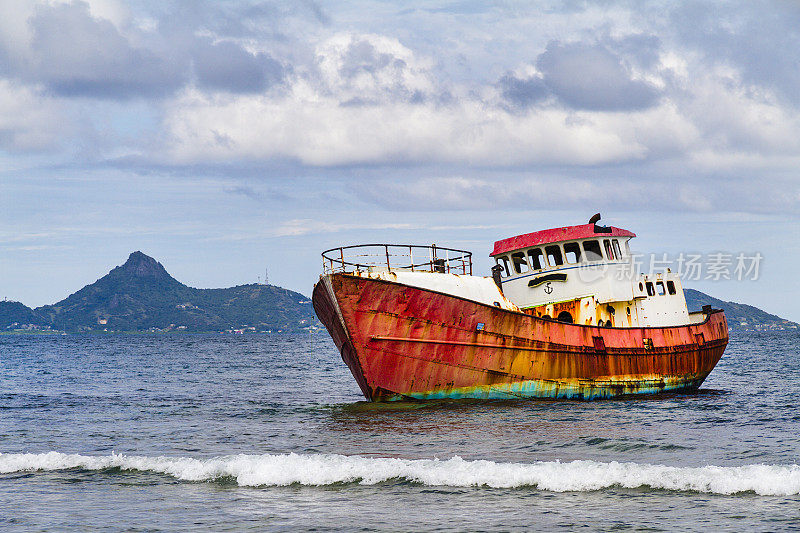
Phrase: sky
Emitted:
{"points": [[226, 138]]}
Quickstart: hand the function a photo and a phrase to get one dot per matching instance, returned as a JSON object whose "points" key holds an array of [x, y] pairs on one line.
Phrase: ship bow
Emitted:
{"points": [[327, 306]]}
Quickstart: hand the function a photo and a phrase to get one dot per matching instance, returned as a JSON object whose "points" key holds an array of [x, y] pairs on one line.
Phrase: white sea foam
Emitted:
{"points": [[279, 470]]}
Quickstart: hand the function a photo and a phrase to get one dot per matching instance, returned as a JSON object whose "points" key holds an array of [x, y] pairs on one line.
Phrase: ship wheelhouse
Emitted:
{"points": [[586, 274]]}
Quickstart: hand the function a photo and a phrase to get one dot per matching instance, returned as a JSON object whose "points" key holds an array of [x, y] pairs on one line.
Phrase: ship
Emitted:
{"points": [[564, 314]]}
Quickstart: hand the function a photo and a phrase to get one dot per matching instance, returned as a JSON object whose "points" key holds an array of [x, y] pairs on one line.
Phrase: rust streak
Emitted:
{"points": [[455, 343]]}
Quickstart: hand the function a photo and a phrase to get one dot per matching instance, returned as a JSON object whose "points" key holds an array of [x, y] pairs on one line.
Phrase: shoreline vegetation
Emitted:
{"points": [[140, 297]]}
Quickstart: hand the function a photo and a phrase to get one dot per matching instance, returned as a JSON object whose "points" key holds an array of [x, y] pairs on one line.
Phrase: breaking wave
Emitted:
{"points": [[281, 470]]}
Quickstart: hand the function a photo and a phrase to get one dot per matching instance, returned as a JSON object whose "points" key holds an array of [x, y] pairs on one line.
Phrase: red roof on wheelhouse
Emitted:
{"points": [[567, 233]]}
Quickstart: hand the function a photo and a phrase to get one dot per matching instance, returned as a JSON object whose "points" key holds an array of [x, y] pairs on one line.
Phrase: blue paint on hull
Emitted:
{"points": [[566, 389]]}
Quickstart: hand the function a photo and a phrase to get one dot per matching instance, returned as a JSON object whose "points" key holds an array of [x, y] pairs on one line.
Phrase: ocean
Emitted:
{"points": [[270, 433]]}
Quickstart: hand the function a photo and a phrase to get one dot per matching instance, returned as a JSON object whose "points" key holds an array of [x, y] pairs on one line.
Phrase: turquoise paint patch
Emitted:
{"points": [[568, 390]]}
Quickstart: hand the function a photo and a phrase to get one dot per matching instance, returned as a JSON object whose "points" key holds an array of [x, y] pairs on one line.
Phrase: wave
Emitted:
{"points": [[326, 469]]}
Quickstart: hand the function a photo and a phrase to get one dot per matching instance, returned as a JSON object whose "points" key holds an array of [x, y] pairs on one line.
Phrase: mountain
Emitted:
{"points": [[19, 314], [140, 295], [740, 316]]}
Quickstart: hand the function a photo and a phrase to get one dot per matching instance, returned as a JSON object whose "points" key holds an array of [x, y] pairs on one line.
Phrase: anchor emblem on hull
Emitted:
{"points": [[548, 288]]}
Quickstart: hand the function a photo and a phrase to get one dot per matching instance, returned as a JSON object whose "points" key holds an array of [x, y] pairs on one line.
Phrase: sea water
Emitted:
{"points": [[270, 432]]}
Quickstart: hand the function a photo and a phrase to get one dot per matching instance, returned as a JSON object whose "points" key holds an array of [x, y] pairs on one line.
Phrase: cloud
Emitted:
{"points": [[73, 51], [75, 54], [640, 50], [244, 190], [759, 39], [29, 121], [599, 191], [255, 88], [523, 92], [318, 131], [372, 68], [307, 226], [587, 76], [369, 100], [467, 193], [226, 66]]}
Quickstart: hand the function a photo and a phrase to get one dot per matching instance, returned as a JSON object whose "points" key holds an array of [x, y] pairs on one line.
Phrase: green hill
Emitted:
{"points": [[740, 316], [140, 295], [19, 314]]}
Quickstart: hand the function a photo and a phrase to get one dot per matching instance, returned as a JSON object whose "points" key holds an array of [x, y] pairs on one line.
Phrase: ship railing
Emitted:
{"points": [[394, 257]]}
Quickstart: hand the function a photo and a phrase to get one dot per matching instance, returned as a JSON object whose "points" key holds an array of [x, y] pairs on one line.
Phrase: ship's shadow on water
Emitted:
{"points": [[638, 428]]}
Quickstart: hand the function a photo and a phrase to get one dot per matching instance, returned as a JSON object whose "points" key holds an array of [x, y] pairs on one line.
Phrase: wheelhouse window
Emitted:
{"points": [[518, 260], [592, 249], [660, 288], [651, 291], [671, 287], [536, 258], [554, 257], [503, 262], [609, 249], [572, 252], [617, 251]]}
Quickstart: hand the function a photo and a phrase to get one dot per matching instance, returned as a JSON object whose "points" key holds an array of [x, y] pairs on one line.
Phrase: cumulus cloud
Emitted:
{"points": [[318, 131], [73, 50], [369, 99], [523, 92], [366, 68], [226, 66], [759, 39], [28, 121], [587, 76], [75, 54], [242, 84]]}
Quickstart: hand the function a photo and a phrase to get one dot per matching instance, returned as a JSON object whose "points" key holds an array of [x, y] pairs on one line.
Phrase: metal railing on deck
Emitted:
{"points": [[378, 257]]}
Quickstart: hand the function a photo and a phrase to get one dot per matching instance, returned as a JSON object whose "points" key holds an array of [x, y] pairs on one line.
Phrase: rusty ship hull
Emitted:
{"points": [[407, 343]]}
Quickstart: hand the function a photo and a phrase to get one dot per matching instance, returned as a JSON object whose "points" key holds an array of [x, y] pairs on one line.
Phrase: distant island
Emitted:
{"points": [[141, 296], [740, 316]]}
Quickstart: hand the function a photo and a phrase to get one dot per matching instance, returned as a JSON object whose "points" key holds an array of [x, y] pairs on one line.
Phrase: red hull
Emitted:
{"points": [[403, 342]]}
